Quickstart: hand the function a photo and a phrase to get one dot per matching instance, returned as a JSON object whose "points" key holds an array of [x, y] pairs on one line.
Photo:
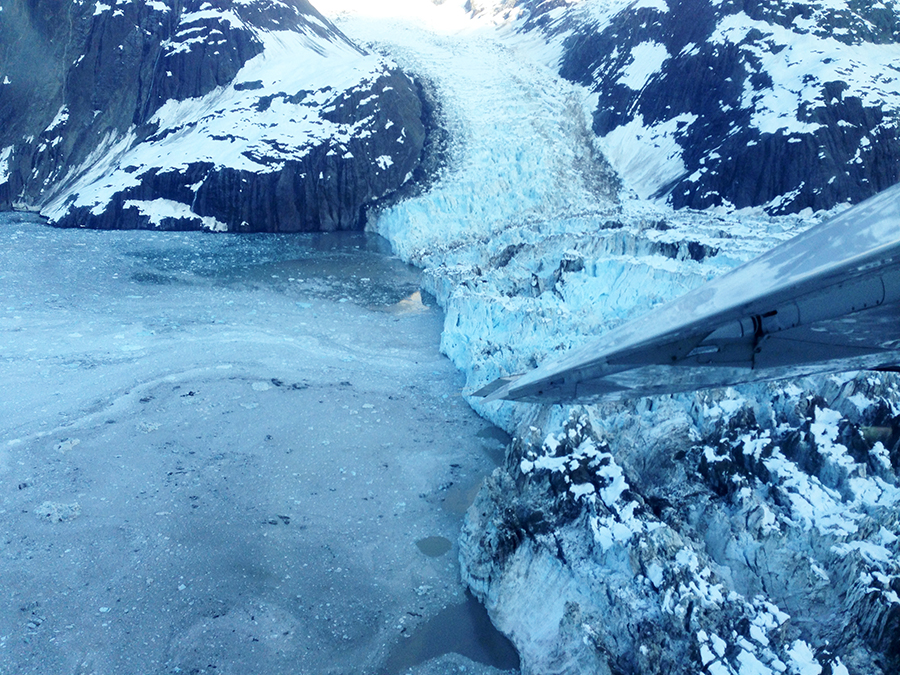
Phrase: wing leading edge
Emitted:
{"points": [[828, 300]]}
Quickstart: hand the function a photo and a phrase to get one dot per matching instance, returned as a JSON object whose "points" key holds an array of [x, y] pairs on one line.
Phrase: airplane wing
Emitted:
{"points": [[827, 300]]}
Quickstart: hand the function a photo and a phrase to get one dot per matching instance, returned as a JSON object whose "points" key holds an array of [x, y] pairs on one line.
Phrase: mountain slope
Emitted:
{"points": [[248, 115], [726, 103]]}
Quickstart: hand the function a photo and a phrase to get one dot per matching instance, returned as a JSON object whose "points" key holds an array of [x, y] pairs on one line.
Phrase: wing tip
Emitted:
{"points": [[496, 390]]}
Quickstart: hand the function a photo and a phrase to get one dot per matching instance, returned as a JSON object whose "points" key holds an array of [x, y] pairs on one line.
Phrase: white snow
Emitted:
{"points": [[861, 401], [825, 431], [813, 504], [445, 17], [838, 668], [647, 59], [648, 157], [800, 62], [62, 116], [159, 209], [871, 552], [803, 662], [223, 16], [5, 154], [95, 175], [658, 5]]}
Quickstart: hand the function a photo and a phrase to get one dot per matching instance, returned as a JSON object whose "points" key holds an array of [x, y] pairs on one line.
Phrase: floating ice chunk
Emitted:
{"points": [[57, 512], [719, 645], [758, 634]]}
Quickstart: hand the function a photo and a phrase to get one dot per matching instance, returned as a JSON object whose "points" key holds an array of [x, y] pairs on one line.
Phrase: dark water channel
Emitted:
{"points": [[230, 454]]}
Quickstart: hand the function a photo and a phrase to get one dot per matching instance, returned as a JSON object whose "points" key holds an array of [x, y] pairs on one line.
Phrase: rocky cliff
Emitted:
{"points": [[734, 103], [239, 115]]}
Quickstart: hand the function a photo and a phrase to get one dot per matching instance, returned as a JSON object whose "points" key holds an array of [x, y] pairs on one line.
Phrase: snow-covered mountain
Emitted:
{"points": [[243, 115], [749, 531], [739, 531], [727, 103]]}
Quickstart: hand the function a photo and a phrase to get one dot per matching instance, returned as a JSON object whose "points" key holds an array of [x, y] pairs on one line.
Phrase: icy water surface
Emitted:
{"points": [[222, 454]]}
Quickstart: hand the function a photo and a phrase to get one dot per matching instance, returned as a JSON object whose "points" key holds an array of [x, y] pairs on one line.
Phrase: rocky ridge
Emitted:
{"points": [[244, 116]]}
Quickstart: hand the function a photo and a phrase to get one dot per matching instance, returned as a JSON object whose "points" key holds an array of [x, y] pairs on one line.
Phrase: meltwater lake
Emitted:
{"points": [[230, 454]]}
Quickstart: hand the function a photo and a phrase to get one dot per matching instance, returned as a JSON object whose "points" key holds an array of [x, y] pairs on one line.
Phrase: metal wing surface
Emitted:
{"points": [[827, 300]]}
